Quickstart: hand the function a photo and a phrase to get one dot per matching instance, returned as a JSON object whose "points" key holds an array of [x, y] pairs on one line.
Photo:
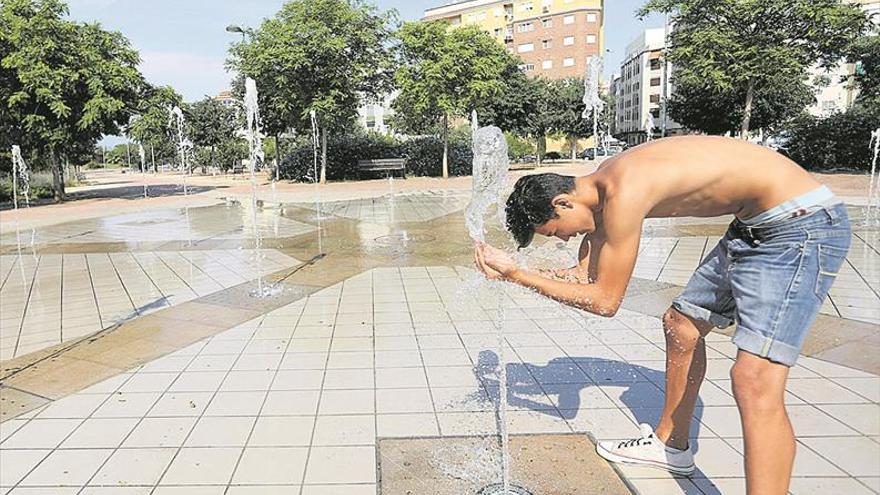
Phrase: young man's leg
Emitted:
{"points": [[759, 389], [685, 370]]}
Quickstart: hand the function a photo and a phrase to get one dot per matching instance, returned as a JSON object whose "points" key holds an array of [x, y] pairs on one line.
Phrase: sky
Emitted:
{"points": [[183, 43]]}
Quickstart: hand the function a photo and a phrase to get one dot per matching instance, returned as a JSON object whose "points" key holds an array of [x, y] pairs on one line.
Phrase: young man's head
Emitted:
{"points": [[547, 204]]}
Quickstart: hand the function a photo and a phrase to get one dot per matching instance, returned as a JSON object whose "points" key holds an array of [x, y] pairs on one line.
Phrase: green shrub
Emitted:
{"points": [[41, 188], [424, 156], [839, 141]]}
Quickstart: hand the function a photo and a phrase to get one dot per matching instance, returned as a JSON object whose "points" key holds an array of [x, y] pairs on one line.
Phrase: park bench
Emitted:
{"points": [[389, 165]]}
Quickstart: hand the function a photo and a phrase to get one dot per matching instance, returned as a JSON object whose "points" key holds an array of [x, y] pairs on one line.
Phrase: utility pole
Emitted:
{"points": [[663, 105]]}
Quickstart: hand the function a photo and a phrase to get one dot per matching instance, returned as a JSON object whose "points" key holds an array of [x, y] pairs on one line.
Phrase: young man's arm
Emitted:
{"points": [[614, 262]]}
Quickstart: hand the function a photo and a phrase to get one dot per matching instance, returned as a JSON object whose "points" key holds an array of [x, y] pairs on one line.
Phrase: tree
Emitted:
{"points": [[211, 123], [731, 54], [444, 74], [567, 107], [64, 82], [865, 53], [317, 55]]}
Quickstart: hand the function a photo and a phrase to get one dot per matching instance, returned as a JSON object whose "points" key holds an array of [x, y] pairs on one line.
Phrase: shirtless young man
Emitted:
{"points": [[769, 274]]}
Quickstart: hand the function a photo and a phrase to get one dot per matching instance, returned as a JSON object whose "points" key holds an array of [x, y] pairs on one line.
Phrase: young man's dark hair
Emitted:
{"points": [[530, 203]]}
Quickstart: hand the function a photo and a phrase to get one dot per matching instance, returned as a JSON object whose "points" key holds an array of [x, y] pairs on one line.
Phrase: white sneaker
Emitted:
{"points": [[648, 451]]}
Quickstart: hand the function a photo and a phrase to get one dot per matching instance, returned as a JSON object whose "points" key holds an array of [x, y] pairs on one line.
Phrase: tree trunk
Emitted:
{"points": [[445, 146], [57, 176], [574, 148], [153, 159], [747, 111], [323, 155], [542, 148]]}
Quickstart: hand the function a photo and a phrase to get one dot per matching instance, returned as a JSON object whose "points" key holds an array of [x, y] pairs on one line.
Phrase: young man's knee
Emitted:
{"points": [[681, 333], [755, 387]]}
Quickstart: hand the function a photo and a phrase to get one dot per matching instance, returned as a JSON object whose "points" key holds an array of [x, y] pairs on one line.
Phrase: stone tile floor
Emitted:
{"points": [[293, 401], [46, 299], [397, 207]]}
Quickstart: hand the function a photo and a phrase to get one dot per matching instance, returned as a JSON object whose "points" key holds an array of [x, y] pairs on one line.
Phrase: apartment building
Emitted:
{"points": [[640, 89], [554, 38]]}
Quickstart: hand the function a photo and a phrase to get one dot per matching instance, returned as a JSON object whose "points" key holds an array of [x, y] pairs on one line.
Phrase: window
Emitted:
{"points": [[526, 47], [655, 81], [568, 62], [655, 64], [499, 32], [655, 98], [547, 44], [546, 23], [591, 39], [499, 12], [568, 40], [525, 27], [526, 7], [547, 64], [591, 17], [569, 19]]}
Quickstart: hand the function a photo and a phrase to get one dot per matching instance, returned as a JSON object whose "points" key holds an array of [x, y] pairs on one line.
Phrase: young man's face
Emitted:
{"points": [[574, 219]]}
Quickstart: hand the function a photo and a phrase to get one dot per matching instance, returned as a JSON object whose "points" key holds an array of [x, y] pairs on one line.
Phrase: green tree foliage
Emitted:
{"points": [[444, 74], [839, 141], [151, 128], [731, 57], [211, 124], [63, 82], [321, 55], [865, 53]]}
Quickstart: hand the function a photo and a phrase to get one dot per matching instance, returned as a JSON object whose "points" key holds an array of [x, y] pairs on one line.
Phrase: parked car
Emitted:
{"points": [[588, 154]]}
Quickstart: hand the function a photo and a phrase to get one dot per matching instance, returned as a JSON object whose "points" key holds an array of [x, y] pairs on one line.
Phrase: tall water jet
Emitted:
{"points": [[649, 127], [20, 173], [175, 115], [490, 169], [142, 154], [255, 142], [593, 103], [313, 118], [871, 216]]}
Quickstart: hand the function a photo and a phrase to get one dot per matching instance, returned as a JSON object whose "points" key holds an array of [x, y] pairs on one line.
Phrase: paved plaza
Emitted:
{"points": [[381, 331]]}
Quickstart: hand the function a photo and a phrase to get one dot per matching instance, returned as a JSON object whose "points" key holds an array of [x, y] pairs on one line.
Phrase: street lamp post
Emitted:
{"points": [[663, 104]]}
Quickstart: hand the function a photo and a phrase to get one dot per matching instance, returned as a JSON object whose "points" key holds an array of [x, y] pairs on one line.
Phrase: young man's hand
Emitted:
{"points": [[493, 262]]}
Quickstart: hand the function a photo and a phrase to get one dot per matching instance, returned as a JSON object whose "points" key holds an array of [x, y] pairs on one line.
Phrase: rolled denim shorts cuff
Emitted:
{"points": [[765, 347], [701, 314]]}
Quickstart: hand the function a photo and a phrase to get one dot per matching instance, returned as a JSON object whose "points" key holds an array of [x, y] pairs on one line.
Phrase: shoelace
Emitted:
{"points": [[647, 438], [635, 442]]}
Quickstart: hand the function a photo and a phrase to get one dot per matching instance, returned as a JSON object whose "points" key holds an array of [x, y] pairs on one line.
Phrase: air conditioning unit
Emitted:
{"points": [[508, 38], [545, 9]]}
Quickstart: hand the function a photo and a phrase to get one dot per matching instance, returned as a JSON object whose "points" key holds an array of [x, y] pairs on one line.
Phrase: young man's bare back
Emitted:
{"points": [[769, 274]]}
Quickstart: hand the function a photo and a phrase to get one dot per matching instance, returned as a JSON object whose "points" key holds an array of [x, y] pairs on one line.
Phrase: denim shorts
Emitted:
{"points": [[770, 280]]}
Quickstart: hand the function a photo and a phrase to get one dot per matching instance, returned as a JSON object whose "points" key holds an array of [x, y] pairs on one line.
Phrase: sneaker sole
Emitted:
{"points": [[610, 456]]}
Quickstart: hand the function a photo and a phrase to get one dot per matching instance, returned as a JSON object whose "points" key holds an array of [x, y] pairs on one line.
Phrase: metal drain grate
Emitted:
{"points": [[498, 489]]}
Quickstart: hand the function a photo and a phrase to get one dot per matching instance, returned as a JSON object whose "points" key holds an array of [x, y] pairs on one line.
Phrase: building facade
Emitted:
{"points": [[554, 38], [639, 90]]}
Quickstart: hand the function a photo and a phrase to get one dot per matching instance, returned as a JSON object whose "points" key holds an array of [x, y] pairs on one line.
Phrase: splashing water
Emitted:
{"points": [[255, 142], [871, 216], [143, 156], [313, 118], [490, 169], [490, 177]]}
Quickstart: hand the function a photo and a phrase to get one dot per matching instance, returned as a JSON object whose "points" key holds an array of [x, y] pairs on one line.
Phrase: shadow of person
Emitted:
{"points": [[562, 379]]}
